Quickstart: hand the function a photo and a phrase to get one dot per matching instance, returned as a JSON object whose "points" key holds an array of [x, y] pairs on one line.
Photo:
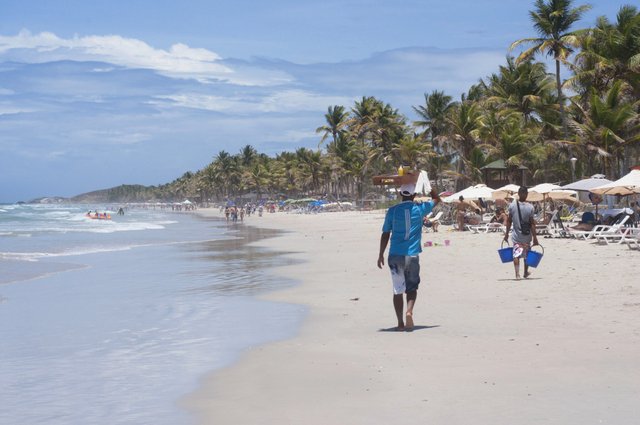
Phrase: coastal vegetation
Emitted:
{"points": [[523, 114]]}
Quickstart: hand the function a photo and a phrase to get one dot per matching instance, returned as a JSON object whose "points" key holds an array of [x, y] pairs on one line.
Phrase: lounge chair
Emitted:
{"points": [[633, 243], [620, 236], [602, 229], [486, 227], [555, 228]]}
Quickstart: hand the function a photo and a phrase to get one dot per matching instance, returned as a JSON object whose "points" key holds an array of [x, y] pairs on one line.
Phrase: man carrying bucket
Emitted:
{"points": [[521, 215]]}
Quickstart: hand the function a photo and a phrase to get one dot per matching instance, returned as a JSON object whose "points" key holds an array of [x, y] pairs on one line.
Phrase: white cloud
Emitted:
{"points": [[112, 137], [180, 61], [296, 136], [11, 109], [99, 70], [300, 100], [286, 101]]}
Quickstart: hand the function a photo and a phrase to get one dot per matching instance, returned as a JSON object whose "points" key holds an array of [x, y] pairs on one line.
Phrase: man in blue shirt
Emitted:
{"points": [[403, 226]]}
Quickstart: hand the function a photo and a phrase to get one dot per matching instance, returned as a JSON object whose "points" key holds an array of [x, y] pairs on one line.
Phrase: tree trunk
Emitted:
{"points": [[565, 133]]}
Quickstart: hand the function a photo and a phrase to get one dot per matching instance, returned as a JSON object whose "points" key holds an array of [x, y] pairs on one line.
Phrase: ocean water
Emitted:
{"points": [[112, 322]]}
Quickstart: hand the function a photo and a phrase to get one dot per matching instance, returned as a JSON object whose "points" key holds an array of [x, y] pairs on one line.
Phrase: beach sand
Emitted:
{"points": [[559, 348]]}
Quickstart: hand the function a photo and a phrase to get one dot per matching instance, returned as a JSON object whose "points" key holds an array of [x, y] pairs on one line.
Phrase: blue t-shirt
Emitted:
{"points": [[404, 221]]}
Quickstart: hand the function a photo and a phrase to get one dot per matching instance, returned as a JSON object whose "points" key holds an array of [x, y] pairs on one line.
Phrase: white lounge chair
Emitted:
{"points": [[622, 235], [550, 229], [556, 228], [634, 243], [600, 229], [486, 227]]}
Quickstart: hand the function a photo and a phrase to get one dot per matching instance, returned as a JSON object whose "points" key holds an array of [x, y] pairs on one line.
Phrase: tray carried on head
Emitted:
{"points": [[409, 176]]}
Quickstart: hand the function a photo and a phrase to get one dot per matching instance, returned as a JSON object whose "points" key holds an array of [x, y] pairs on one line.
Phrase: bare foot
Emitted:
{"points": [[517, 277], [409, 320], [400, 328], [527, 274]]}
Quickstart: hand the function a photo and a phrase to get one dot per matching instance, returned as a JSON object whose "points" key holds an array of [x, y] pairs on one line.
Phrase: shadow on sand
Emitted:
{"points": [[415, 328], [519, 280]]}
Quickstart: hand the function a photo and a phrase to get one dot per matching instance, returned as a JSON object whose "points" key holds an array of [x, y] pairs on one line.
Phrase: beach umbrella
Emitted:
{"points": [[559, 194], [505, 191], [626, 185], [541, 192], [585, 185], [472, 193]]}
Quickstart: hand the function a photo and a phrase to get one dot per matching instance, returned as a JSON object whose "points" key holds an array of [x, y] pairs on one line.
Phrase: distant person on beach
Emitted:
{"points": [[234, 214], [586, 224], [461, 216], [430, 223], [403, 226], [500, 217], [521, 216]]}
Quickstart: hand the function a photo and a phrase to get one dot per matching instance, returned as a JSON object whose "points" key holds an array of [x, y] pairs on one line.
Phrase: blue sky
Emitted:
{"points": [[98, 94]]}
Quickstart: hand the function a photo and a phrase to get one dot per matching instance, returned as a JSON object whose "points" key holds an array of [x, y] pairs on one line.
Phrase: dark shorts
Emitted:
{"points": [[405, 273]]}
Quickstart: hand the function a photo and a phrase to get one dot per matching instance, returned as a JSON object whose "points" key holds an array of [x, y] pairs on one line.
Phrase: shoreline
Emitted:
{"points": [[560, 347], [150, 315]]}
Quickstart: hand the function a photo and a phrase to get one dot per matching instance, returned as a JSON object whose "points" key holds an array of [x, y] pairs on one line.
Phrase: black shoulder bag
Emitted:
{"points": [[525, 228]]}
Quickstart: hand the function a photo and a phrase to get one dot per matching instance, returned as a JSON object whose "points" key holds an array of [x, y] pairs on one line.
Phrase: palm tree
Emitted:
{"points": [[340, 158], [553, 20], [512, 140], [248, 155], [524, 87], [285, 171], [433, 115], [611, 52], [257, 178], [607, 129], [309, 168], [226, 168], [414, 151], [336, 122], [464, 123]]}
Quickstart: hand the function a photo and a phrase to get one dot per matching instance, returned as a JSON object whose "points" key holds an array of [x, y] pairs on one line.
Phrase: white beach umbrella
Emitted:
{"points": [[505, 191], [538, 193], [585, 185], [627, 185], [543, 191], [472, 193]]}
